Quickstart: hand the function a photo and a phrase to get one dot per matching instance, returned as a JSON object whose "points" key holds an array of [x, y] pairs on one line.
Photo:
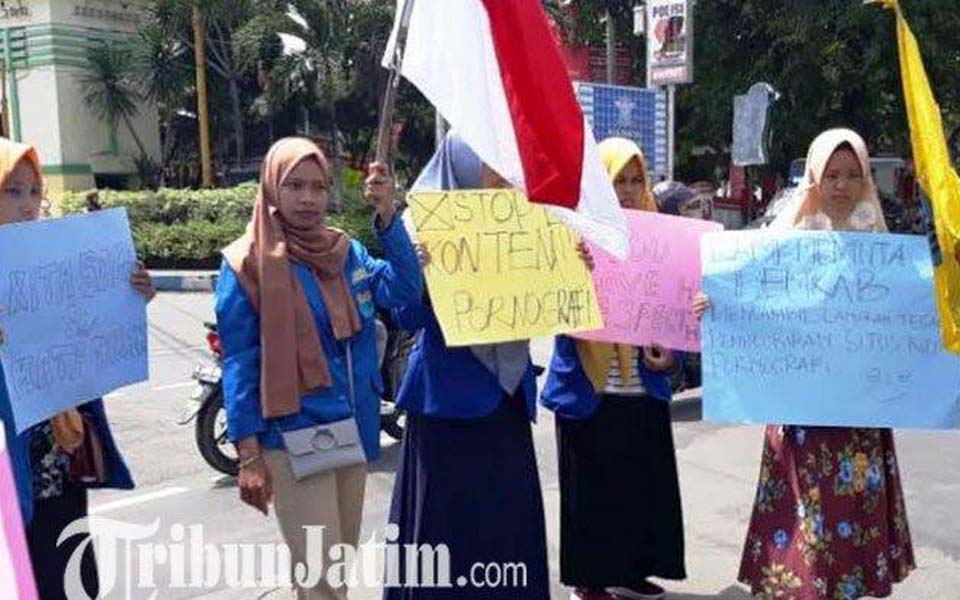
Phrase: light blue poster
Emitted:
{"points": [[822, 328], [73, 329]]}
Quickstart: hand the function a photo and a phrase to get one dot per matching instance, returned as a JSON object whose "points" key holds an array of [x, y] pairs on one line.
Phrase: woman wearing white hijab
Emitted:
{"points": [[829, 519]]}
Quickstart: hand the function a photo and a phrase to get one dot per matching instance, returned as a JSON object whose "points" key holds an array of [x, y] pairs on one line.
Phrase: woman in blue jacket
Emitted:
{"points": [[295, 305], [52, 462], [620, 515], [468, 473]]}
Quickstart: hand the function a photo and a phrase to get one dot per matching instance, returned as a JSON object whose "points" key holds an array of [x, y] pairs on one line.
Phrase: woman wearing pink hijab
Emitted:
{"points": [[829, 519]]}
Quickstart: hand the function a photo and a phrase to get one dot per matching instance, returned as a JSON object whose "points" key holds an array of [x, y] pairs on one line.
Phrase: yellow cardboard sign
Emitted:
{"points": [[501, 268]]}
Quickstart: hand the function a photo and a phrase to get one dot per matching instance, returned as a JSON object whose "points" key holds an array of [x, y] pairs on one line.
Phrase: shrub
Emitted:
{"points": [[187, 229]]}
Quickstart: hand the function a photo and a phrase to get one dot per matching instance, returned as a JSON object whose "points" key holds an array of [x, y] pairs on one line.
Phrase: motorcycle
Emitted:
{"points": [[206, 410]]}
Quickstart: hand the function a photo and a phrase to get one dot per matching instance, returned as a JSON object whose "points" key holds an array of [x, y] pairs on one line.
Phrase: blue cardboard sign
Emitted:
{"points": [[73, 327], [824, 328]]}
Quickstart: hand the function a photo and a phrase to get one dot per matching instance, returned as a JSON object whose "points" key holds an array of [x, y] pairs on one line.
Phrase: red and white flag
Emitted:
{"points": [[494, 71]]}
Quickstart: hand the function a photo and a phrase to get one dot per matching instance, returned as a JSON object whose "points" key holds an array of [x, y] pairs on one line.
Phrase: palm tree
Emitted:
{"points": [[164, 72], [109, 89], [313, 69]]}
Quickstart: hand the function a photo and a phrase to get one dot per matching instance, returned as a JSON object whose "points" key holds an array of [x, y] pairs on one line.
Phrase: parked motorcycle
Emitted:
{"points": [[206, 410]]}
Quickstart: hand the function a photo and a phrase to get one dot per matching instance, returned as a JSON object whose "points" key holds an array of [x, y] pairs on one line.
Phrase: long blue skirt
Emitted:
{"points": [[473, 486]]}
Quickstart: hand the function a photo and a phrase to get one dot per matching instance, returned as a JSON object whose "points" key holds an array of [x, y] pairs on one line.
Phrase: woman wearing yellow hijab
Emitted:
{"points": [[613, 417], [57, 461]]}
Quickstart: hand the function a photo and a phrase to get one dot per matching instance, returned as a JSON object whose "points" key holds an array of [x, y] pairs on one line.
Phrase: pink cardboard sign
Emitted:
{"points": [[14, 557], [648, 298]]}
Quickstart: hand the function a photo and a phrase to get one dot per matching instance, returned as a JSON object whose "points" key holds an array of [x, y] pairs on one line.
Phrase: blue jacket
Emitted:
{"points": [[388, 283], [570, 393], [18, 448], [450, 383]]}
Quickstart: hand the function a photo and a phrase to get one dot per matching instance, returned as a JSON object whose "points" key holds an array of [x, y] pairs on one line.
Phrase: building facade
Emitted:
{"points": [[45, 44]]}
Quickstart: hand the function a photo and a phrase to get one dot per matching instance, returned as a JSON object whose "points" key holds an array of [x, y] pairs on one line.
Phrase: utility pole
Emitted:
{"points": [[203, 108], [611, 47]]}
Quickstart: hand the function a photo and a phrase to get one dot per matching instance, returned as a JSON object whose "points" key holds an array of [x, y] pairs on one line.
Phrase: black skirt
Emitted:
{"points": [[50, 518], [472, 485], [620, 515]]}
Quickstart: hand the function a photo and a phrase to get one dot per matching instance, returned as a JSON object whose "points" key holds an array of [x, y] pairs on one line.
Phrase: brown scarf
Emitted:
{"points": [[292, 360]]}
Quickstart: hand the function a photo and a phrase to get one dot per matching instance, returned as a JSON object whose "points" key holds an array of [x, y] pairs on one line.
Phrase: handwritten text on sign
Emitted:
{"points": [[501, 268], [816, 328], [649, 297], [74, 328]]}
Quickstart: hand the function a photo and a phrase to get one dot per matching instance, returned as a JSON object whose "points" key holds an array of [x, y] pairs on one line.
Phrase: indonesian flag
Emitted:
{"points": [[492, 68]]}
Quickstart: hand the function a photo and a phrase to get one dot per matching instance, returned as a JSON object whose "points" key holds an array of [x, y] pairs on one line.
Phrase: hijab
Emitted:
{"points": [[455, 166], [615, 154], [292, 359], [805, 210], [672, 196], [67, 427]]}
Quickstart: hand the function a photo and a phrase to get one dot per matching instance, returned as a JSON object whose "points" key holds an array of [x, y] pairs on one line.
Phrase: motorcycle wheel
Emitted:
{"points": [[211, 434]]}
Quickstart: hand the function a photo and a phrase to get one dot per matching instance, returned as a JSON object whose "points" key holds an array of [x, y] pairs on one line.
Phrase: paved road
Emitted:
{"points": [[718, 469]]}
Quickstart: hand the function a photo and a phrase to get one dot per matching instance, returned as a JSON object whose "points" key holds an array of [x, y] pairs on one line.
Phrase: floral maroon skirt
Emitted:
{"points": [[829, 520]]}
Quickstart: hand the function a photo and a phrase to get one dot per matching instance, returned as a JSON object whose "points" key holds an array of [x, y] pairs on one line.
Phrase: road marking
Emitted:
{"points": [[175, 386], [141, 499], [176, 351]]}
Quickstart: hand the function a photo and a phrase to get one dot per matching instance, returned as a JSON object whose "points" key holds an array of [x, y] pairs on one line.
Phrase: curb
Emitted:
{"points": [[184, 281]]}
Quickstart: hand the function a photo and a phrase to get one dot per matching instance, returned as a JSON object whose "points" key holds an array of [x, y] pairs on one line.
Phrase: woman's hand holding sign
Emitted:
{"points": [[585, 255], [143, 283], [701, 304]]}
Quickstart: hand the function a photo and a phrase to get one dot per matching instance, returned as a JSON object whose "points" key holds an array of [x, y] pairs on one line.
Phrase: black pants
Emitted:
{"points": [[50, 518]]}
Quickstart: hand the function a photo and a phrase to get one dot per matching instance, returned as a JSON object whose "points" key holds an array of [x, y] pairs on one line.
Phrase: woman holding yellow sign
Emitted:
{"points": [[468, 473], [613, 417]]}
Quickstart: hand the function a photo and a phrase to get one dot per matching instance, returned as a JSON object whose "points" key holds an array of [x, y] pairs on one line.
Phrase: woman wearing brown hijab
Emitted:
{"points": [[295, 306]]}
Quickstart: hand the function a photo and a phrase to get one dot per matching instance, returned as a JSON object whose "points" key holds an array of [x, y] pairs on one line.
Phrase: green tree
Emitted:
{"points": [[109, 88], [223, 18], [165, 73], [833, 61], [334, 75]]}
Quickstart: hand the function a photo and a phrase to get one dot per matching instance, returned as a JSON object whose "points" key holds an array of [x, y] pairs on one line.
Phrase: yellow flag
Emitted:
{"points": [[939, 180]]}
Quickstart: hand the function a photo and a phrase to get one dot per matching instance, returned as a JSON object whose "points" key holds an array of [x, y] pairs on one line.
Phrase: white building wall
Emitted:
{"points": [[53, 114], [40, 113]]}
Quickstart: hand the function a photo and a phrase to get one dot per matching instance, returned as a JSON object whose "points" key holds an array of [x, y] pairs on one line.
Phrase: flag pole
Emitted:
{"points": [[384, 134]]}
